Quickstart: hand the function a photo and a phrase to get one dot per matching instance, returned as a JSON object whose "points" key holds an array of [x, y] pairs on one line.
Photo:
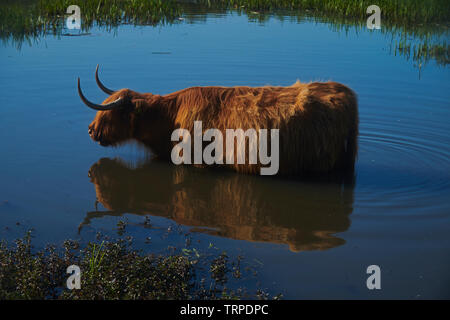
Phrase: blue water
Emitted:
{"points": [[313, 239]]}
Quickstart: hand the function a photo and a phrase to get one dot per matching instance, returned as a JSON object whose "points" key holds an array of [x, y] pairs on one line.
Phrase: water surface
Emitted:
{"points": [[314, 239]]}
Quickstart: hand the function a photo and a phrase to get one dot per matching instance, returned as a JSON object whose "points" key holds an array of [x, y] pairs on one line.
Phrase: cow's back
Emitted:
{"points": [[317, 122]]}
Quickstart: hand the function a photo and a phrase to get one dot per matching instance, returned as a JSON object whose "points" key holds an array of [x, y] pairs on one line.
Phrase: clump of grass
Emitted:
{"points": [[414, 26], [114, 270], [425, 21], [29, 20], [422, 49], [95, 259], [411, 11]]}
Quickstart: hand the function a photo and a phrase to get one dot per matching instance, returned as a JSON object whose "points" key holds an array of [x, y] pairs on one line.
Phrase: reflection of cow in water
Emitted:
{"points": [[304, 216]]}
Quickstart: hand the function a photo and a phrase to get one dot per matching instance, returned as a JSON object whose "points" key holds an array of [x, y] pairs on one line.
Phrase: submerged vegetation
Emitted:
{"points": [[114, 270]]}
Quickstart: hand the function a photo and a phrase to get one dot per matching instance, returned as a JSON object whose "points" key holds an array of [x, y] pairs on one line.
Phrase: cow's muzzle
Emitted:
{"points": [[97, 137]]}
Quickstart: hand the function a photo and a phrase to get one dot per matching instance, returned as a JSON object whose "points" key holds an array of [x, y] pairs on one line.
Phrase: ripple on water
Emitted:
{"points": [[403, 165]]}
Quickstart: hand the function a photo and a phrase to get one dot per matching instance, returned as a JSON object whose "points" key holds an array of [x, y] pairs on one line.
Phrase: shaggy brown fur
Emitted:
{"points": [[234, 206], [318, 122]]}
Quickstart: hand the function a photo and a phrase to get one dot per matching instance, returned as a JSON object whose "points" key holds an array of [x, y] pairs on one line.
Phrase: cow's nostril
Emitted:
{"points": [[90, 131]]}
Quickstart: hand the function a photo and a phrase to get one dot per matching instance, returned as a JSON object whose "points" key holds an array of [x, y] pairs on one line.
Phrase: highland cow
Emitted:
{"points": [[317, 122]]}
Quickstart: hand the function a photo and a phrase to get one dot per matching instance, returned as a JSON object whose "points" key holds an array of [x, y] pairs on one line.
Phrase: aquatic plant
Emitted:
{"points": [[114, 270], [399, 11], [29, 20], [417, 29], [95, 259]]}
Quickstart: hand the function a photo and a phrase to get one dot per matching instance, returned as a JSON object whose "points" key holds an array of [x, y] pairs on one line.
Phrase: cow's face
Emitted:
{"points": [[115, 126], [114, 122]]}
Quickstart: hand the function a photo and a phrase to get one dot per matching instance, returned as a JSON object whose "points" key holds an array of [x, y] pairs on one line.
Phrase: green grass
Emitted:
{"points": [[95, 259], [29, 20], [416, 29], [114, 270], [394, 11]]}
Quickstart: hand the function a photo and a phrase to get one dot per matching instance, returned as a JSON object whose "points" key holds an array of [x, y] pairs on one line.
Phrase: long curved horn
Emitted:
{"points": [[102, 107], [100, 84]]}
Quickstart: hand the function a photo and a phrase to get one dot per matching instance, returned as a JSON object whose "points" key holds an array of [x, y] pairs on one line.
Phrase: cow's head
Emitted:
{"points": [[115, 119]]}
